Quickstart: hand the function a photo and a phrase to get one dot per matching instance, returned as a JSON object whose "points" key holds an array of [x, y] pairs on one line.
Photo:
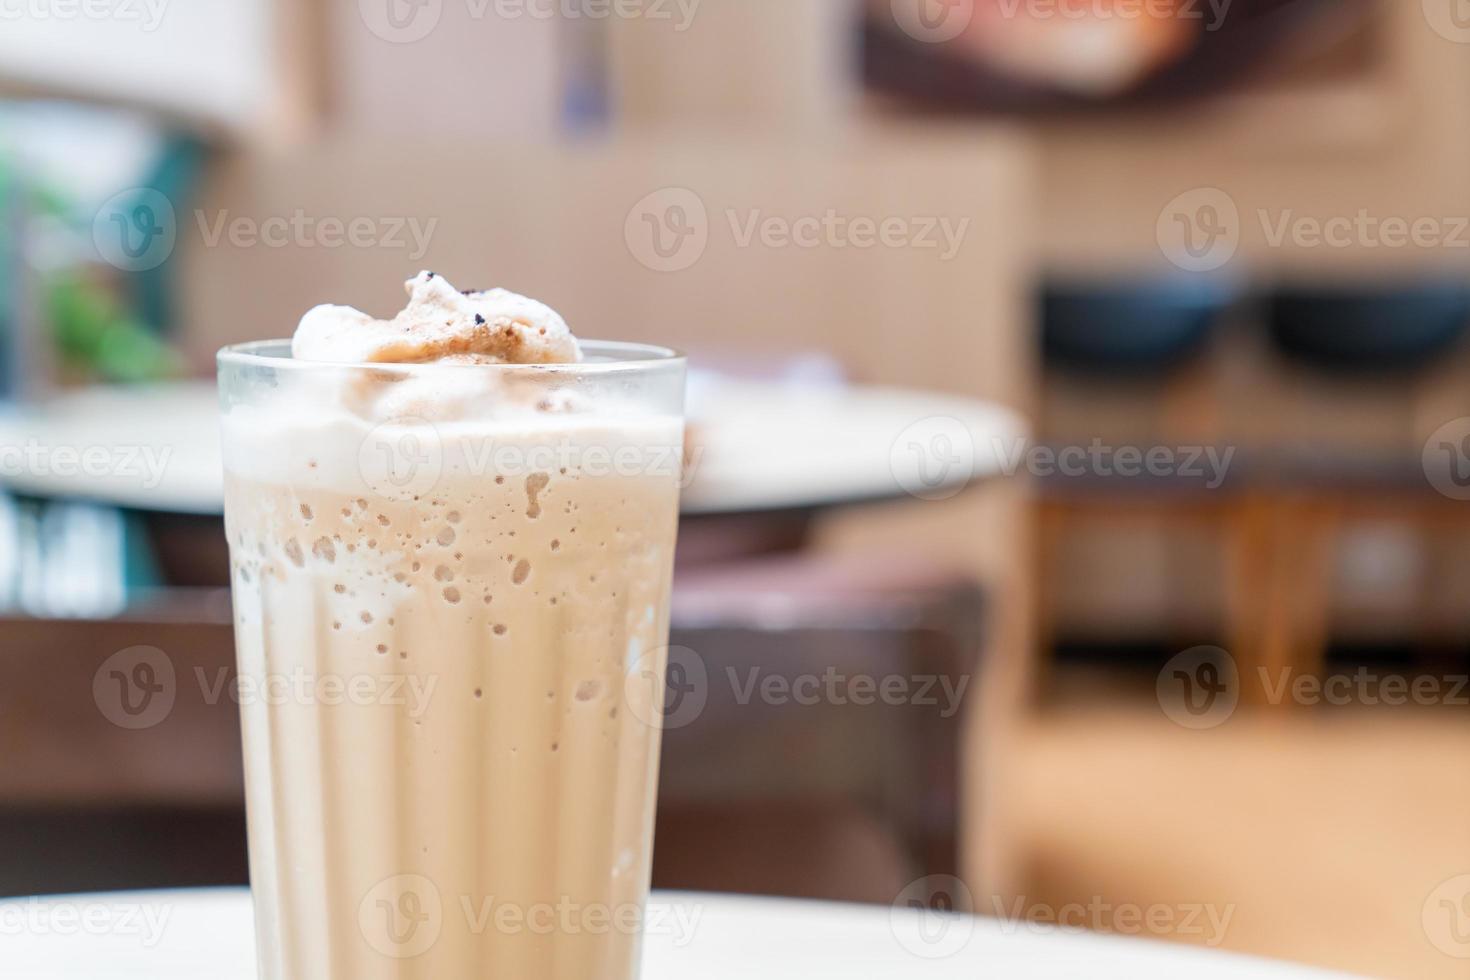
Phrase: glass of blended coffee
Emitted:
{"points": [[452, 536]]}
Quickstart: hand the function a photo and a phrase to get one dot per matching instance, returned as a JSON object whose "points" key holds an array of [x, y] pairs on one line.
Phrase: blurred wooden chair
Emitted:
{"points": [[1238, 522], [120, 750]]}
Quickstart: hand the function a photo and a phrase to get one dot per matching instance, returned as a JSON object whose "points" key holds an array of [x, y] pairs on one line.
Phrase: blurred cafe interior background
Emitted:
{"points": [[1168, 300]]}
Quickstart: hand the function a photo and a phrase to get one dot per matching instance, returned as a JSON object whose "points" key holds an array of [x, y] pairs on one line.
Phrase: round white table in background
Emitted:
{"points": [[760, 446], [206, 935], [163, 438]]}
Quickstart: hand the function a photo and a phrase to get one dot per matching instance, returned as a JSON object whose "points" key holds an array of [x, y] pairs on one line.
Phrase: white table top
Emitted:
{"points": [[761, 446], [159, 446], [207, 934]]}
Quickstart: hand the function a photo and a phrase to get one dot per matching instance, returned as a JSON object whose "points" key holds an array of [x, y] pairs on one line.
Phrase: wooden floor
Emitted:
{"points": [[1321, 833]]}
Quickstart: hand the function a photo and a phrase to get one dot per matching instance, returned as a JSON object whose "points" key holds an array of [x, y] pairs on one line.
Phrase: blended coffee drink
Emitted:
{"points": [[452, 536]]}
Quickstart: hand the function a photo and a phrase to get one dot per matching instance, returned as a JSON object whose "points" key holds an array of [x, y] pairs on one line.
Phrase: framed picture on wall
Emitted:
{"points": [[1048, 56]]}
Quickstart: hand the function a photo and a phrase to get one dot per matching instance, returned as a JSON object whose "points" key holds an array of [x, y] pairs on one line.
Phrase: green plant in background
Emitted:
{"points": [[102, 324], [8, 301], [93, 332]]}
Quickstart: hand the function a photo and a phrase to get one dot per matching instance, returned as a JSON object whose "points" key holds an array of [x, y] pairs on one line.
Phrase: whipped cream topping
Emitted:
{"points": [[440, 324], [374, 387]]}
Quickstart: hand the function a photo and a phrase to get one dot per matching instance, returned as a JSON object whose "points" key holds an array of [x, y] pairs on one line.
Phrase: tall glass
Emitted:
{"points": [[451, 588]]}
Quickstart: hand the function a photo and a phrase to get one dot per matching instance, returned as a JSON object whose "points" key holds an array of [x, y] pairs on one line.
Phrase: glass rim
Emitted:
{"points": [[622, 356]]}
